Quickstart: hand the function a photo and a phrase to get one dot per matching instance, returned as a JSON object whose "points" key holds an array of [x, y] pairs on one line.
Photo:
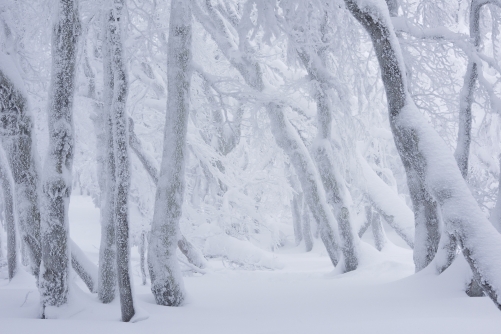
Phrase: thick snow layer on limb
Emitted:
{"points": [[480, 241], [394, 210]]}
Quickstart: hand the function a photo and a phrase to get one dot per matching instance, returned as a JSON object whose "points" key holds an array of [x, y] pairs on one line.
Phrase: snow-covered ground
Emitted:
{"points": [[306, 296]]}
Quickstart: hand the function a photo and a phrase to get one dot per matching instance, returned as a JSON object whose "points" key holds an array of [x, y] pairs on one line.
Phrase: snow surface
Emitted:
{"points": [[306, 296]]}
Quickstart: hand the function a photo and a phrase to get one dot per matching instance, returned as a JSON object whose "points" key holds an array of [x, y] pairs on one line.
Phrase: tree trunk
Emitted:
{"points": [[374, 219], [122, 163], [107, 279], [142, 257], [308, 239], [6, 183], [296, 218], [56, 185], [194, 256], [17, 126], [166, 281], [422, 149]]}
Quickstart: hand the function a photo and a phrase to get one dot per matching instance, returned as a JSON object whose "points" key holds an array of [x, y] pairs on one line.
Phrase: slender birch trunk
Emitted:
{"points": [[56, 184], [166, 281], [118, 115], [424, 151]]}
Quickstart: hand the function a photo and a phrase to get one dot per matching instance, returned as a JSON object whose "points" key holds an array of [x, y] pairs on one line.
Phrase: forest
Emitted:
{"points": [[250, 166]]}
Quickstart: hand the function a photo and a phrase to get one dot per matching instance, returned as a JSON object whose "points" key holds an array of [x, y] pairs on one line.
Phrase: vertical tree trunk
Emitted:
{"points": [[374, 219], [107, 279], [296, 204], [142, 256], [17, 126], [308, 239], [122, 163], [56, 185], [6, 183], [166, 281], [194, 256]]}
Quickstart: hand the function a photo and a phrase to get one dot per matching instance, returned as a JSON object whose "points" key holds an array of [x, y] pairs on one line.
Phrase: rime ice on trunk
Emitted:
{"points": [[122, 164], [424, 151], [7, 183], [56, 184], [166, 281], [17, 127], [107, 279]]}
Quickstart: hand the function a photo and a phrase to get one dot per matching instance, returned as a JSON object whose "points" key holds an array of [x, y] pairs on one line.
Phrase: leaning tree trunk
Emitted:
{"points": [[122, 164], [6, 183], [56, 185], [426, 218], [107, 279], [421, 148], [166, 281], [17, 126]]}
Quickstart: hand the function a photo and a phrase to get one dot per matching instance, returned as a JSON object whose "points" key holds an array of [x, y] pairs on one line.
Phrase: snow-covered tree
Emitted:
{"points": [[56, 177]]}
